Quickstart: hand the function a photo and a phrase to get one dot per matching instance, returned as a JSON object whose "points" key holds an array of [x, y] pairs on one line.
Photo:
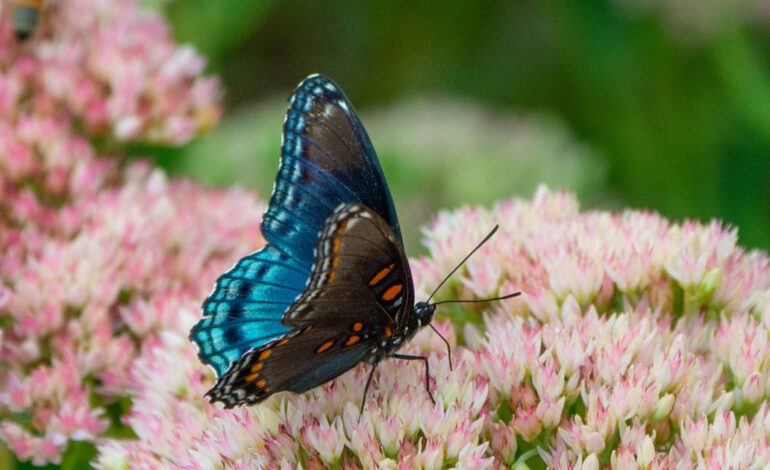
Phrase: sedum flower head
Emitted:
{"points": [[639, 366]]}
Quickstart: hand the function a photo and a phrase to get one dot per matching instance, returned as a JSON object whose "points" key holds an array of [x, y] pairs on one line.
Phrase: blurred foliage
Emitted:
{"points": [[669, 97]]}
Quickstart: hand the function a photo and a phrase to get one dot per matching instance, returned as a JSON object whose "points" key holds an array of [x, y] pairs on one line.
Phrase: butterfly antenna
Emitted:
{"points": [[474, 250], [463, 262], [448, 348], [475, 301]]}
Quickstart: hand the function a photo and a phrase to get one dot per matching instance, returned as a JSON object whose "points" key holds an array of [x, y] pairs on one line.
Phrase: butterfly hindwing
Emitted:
{"points": [[298, 362], [246, 307], [339, 320], [360, 271]]}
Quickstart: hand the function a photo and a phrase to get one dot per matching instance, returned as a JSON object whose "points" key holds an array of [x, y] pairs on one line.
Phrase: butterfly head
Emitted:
{"points": [[423, 313]]}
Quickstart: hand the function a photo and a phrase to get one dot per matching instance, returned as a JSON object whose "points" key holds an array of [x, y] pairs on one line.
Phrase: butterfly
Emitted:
{"points": [[332, 287]]}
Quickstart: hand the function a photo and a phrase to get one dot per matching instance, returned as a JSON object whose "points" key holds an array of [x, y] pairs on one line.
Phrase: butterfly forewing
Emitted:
{"points": [[246, 307], [326, 160]]}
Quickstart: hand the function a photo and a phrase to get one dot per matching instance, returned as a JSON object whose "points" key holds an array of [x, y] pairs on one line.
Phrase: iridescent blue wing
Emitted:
{"points": [[246, 307], [360, 285], [326, 160]]}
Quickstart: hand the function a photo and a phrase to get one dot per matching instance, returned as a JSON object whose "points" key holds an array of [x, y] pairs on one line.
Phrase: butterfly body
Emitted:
{"points": [[332, 288]]}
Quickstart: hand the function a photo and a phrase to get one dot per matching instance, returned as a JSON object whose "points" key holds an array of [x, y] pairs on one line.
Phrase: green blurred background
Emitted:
{"points": [[660, 104]]}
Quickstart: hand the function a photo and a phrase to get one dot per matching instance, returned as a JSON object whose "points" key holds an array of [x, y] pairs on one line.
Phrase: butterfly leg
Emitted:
{"points": [[427, 370], [366, 390]]}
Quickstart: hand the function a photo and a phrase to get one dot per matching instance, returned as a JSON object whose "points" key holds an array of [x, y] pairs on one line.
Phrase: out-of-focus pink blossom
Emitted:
{"points": [[99, 255]]}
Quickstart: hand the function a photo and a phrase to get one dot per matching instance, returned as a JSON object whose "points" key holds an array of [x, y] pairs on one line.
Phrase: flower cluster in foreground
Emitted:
{"points": [[97, 252], [636, 342]]}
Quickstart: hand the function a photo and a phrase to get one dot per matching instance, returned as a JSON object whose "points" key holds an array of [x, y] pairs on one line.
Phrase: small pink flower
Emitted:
{"points": [[432, 456], [463, 433], [550, 413], [754, 388], [504, 441], [474, 457], [526, 423], [327, 439], [390, 434]]}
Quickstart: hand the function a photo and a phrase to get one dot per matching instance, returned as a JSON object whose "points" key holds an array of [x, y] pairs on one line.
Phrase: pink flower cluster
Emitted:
{"points": [[111, 68], [86, 294], [96, 76], [637, 342], [96, 253]]}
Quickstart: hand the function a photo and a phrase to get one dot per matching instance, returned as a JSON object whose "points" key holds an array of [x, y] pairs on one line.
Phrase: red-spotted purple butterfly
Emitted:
{"points": [[332, 287]]}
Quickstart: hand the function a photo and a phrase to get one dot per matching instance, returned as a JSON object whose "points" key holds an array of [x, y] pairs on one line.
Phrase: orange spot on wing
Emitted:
{"points": [[331, 276], [265, 354], [252, 377], [337, 235], [381, 275], [392, 292], [282, 342], [256, 367], [325, 346], [306, 329], [358, 326], [388, 332], [352, 340], [261, 383]]}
